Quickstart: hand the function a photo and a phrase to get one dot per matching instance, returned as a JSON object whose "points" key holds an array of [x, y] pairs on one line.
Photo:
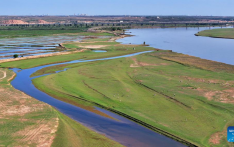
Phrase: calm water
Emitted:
{"points": [[32, 46], [99, 51], [123, 131], [184, 41]]}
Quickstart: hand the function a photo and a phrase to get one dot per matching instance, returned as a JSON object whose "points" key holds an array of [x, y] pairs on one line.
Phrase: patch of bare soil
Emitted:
{"points": [[13, 22], [41, 56], [4, 75], [119, 37], [209, 95], [139, 64], [211, 81], [39, 135], [94, 46], [40, 21], [216, 138], [17, 106], [224, 96]]}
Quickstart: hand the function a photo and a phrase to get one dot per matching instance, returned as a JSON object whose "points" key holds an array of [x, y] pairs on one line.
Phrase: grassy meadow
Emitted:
{"points": [[189, 102], [33, 31], [218, 33]]}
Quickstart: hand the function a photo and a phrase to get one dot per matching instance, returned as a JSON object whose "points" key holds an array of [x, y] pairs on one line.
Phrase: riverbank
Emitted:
{"points": [[218, 33], [26, 121], [23, 119]]}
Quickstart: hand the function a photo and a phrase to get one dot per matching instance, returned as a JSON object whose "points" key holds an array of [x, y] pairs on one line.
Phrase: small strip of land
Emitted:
{"points": [[42, 56], [218, 33]]}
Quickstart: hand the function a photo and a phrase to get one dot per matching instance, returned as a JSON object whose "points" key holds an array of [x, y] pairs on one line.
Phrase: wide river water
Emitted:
{"points": [[121, 130], [183, 40]]}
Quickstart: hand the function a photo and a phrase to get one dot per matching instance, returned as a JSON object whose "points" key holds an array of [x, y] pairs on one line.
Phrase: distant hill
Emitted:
{"points": [[13, 22]]}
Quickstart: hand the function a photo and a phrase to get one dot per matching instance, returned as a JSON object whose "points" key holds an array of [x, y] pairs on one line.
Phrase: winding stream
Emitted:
{"points": [[121, 130]]}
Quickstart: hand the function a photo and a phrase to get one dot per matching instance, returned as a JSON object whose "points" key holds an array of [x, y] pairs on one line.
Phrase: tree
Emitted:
{"points": [[15, 55], [144, 42], [113, 29]]}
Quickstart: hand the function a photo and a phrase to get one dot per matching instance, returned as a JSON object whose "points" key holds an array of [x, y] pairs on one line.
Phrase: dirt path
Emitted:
{"points": [[4, 75], [139, 64], [94, 46]]}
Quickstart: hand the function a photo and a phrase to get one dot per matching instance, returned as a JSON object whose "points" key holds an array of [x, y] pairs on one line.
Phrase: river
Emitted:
{"points": [[183, 40], [121, 130]]}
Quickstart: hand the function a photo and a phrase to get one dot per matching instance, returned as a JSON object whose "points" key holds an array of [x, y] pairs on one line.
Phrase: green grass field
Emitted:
{"points": [[28, 63], [95, 39], [218, 33], [31, 33], [165, 94], [15, 32]]}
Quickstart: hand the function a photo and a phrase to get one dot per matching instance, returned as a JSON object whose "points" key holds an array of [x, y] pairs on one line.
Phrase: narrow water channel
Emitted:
{"points": [[123, 131]]}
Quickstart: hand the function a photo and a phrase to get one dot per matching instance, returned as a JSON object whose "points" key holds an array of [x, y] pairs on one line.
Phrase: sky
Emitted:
{"points": [[117, 7]]}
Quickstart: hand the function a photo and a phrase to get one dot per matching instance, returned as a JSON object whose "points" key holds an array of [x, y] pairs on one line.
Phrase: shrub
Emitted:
{"points": [[15, 55]]}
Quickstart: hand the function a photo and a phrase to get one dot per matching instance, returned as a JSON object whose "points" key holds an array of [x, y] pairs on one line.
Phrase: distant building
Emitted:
{"points": [[121, 21]]}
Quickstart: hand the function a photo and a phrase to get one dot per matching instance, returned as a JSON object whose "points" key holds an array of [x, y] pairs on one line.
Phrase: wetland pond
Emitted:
{"points": [[183, 40], [32, 46], [99, 51]]}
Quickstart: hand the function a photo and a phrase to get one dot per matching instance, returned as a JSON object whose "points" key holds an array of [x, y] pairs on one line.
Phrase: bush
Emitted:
{"points": [[15, 55], [113, 29]]}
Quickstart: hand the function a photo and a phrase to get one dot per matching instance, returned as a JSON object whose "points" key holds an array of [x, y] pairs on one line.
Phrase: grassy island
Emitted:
{"points": [[218, 33]]}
